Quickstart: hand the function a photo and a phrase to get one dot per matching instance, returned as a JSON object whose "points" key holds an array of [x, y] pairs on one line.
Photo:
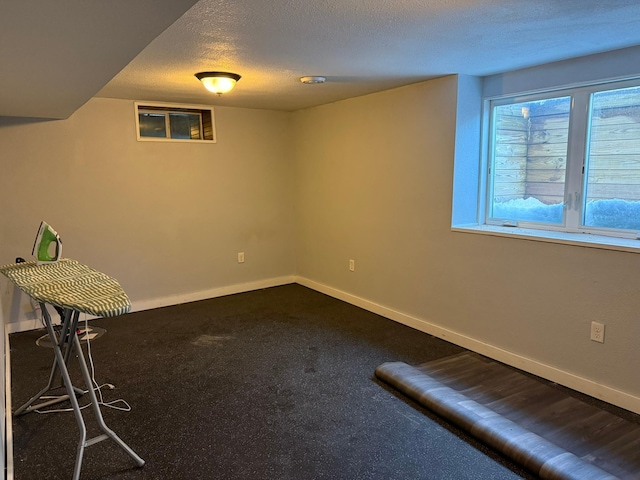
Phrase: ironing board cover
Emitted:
{"points": [[69, 284]]}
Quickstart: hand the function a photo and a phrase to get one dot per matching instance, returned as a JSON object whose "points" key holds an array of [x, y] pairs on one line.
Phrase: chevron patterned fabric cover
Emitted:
{"points": [[70, 284]]}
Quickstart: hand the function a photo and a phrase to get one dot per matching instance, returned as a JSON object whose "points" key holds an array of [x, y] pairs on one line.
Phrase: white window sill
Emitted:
{"points": [[578, 239]]}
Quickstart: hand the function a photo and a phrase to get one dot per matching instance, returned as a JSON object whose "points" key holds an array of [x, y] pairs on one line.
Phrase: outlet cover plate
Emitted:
{"points": [[597, 332]]}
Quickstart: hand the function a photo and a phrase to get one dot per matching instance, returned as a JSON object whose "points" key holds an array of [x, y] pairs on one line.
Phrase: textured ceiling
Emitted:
{"points": [[361, 46]]}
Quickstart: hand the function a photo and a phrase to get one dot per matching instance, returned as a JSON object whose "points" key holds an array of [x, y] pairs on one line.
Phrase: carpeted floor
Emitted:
{"points": [[272, 384]]}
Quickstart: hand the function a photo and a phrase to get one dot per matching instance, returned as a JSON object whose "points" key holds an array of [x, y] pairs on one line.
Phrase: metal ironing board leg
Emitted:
{"points": [[65, 334], [70, 321], [108, 433], [57, 351], [60, 362], [66, 324]]}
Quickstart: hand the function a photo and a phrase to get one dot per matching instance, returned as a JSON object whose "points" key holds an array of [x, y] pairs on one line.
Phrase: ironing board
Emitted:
{"points": [[75, 288]]}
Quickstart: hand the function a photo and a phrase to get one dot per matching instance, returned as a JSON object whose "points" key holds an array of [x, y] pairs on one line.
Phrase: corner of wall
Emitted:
{"points": [[540, 368], [467, 155], [5, 388]]}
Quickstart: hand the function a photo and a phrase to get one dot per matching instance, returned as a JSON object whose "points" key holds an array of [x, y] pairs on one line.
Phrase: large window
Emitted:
{"points": [[566, 161]]}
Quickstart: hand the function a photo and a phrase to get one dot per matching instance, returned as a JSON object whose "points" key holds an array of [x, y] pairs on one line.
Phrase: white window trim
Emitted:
{"points": [[589, 237], [139, 106], [549, 236]]}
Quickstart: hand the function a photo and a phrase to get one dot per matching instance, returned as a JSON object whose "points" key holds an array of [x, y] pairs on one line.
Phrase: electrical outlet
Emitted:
{"points": [[352, 265], [240, 257], [597, 332]]}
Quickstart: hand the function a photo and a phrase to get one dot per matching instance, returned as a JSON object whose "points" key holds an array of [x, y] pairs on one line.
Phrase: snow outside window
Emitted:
{"points": [[566, 161]]}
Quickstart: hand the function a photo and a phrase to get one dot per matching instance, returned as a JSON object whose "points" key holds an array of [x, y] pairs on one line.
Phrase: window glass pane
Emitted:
{"points": [[185, 125], [152, 125], [529, 160], [612, 198]]}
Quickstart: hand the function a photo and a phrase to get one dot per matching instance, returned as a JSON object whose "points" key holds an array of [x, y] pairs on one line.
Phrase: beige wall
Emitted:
{"points": [[374, 184], [368, 179], [165, 219]]}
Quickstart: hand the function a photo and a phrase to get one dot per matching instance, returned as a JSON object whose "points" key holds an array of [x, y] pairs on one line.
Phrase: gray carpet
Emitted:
{"points": [[271, 384]]}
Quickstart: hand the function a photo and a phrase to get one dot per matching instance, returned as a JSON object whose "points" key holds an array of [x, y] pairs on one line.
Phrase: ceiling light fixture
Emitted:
{"points": [[218, 82], [312, 79]]}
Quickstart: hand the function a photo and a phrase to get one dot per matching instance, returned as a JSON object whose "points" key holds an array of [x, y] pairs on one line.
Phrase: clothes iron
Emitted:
{"points": [[48, 247]]}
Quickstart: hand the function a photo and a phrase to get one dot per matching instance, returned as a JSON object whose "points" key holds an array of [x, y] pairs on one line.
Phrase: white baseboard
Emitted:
{"points": [[33, 323], [23, 326], [8, 417], [580, 384], [167, 301], [159, 302]]}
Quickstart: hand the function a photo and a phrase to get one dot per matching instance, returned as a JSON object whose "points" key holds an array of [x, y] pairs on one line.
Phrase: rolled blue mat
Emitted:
{"points": [[540, 456]]}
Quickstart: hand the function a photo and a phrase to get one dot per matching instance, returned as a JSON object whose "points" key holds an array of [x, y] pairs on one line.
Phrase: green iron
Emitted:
{"points": [[47, 247]]}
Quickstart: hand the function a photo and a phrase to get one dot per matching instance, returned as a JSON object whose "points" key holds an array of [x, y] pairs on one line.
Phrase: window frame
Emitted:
{"points": [[576, 169], [167, 121], [207, 134]]}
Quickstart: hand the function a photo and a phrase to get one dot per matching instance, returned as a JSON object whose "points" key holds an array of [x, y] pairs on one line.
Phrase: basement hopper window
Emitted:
{"points": [[162, 122], [565, 161]]}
